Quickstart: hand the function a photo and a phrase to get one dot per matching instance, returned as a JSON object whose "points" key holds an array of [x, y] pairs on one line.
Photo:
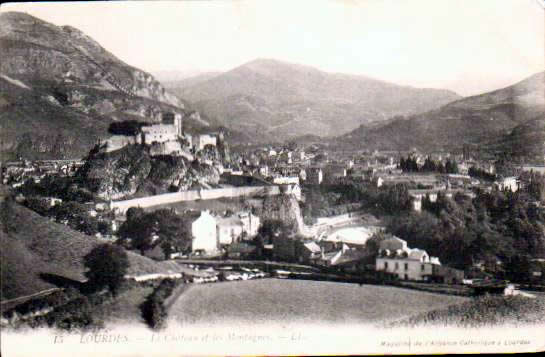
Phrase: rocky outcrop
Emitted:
{"points": [[57, 80], [32, 47], [285, 208], [133, 171]]}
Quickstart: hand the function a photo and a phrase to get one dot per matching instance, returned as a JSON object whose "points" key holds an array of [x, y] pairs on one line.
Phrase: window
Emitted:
{"points": [[406, 266], [406, 277], [397, 266], [422, 267], [385, 265]]}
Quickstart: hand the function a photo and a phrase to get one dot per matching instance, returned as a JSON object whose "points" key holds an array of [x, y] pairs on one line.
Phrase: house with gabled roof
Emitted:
{"points": [[397, 258]]}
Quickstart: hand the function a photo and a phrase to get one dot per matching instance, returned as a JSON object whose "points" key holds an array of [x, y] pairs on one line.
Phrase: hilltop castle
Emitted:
{"points": [[170, 129], [165, 138]]}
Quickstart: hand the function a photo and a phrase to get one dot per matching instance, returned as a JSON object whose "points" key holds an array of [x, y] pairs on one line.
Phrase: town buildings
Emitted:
{"points": [[211, 233]]}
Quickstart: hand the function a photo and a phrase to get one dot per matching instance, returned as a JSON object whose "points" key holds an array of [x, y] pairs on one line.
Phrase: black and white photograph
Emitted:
{"points": [[272, 177]]}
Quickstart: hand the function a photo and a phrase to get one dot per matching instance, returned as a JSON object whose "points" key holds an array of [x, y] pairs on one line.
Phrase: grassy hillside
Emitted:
{"points": [[42, 245], [33, 245]]}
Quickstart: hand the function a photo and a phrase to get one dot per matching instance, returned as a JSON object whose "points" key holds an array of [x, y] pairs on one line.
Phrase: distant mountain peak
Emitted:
{"points": [[270, 99]]}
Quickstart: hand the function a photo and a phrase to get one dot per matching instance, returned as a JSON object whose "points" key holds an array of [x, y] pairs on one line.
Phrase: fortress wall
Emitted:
{"points": [[123, 206]]}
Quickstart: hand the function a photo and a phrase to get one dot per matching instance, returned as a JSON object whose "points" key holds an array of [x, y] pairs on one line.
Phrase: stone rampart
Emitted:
{"points": [[193, 195]]}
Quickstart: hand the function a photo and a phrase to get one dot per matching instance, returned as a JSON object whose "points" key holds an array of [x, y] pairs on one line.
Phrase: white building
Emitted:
{"points": [[170, 129], [250, 223], [285, 180], [508, 183], [200, 141], [408, 264], [264, 170], [229, 229], [158, 133], [204, 233], [418, 195], [241, 225]]}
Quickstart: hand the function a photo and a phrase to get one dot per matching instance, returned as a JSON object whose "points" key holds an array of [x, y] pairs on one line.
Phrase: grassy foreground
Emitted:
{"points": [[296, 301], [483, 311]]}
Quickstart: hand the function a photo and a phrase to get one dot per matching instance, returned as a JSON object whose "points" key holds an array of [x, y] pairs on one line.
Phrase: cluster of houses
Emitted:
{"points": [[342, 252], [16, 173], [283, 166]]}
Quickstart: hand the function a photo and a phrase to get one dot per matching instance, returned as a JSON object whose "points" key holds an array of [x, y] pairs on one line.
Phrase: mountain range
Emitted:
{"points": [[60, 91], [489, 120], [269, 99]]}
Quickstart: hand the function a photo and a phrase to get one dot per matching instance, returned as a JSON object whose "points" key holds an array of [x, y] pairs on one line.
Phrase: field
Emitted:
{"points": [[273, 301]]}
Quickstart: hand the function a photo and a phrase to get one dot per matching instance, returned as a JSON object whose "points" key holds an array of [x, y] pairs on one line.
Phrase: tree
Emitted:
{"points": [[429, 165], [137, 232], [134, 213], [396, 198], [140, 228], [372, 245], [174, 232], [451, 167], [76, 216], [271, 228], [38, 205], [107, 264]]}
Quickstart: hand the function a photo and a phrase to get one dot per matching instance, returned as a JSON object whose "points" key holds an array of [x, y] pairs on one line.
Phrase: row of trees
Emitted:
{"points": [[327, 200], [481, 174], [409, 164]]}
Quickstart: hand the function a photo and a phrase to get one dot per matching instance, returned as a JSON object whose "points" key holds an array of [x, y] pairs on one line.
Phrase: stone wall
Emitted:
{"points": [[192, 195]]}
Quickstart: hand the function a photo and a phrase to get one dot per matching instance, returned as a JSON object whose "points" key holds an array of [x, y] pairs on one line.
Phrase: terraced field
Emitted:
{"points": [[274, 301]]}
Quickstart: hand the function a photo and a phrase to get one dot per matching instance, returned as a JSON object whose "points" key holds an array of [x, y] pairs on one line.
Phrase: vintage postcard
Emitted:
{"points": [[259, 177]]}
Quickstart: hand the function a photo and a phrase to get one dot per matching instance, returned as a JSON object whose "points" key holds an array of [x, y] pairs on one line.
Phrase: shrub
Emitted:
{"points": [[77, 314], [107, 264], [153, 310]]}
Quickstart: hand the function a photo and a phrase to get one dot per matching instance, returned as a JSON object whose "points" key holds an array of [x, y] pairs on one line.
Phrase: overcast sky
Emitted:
{"points": [[469, 46]]}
